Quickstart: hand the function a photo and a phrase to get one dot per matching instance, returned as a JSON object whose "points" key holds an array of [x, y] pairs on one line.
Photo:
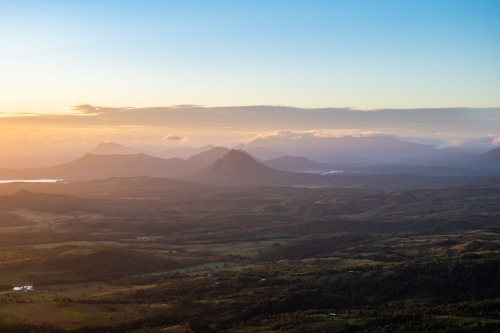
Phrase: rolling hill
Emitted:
{"points": [[115, 186], [127, 184]]}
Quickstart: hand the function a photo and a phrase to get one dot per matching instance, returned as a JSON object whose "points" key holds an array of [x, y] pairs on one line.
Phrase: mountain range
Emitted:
{"points": [[216, 167], [238, 168], [325, 149], [219, 166], [92, 166]]}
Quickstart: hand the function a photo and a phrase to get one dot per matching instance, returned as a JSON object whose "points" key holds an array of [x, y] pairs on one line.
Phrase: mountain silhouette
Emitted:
{"points": [[208, 157], [237, 168], [493, 152], [113, 148], [490, 160], [323, 148], [92, 166]]}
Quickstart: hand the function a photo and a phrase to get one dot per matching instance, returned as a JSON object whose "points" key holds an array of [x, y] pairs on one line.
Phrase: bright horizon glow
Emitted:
{"points": [[362, 54]]}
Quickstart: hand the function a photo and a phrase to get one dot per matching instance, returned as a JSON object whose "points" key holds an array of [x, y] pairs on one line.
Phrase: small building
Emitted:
{"points": [[23, 288], [332, 314]]}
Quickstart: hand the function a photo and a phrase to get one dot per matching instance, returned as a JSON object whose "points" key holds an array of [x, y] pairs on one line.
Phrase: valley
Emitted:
{"points": [[253, 259]]}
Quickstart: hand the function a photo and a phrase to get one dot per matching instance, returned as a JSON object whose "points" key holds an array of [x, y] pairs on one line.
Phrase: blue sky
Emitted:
{"points": [[359, 54]]}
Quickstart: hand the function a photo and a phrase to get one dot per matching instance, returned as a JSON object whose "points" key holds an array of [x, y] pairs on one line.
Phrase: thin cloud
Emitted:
{"points": [[172, 137], [90, 109], [485, 142], [227, 125], [452, 121], [287, 134]]}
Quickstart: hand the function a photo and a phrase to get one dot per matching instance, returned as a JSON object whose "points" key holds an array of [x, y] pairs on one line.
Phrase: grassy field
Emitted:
{"points": [[42, 303], [39, 217], [198, 269], [240, 248], [76, 243]]}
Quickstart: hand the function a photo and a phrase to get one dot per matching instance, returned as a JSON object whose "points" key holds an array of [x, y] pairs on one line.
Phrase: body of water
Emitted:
{"points": [[331, 172]]}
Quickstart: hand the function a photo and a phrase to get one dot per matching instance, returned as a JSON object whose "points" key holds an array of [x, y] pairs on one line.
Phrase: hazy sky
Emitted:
{"points": [[360, 54], [166, 127]]}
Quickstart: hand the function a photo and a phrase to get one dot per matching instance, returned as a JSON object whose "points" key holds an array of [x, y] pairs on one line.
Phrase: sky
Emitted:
{"points": [[364, 55]]}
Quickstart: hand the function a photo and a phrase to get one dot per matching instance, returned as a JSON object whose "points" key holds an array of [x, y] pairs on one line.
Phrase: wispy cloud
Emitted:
{"points": [[452, 127], [330, 121], [90, 109], [440, 141], [172, 137]]}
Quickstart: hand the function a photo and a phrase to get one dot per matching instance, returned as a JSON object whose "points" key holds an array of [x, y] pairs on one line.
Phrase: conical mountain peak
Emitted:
{"points": [[235, 161]]}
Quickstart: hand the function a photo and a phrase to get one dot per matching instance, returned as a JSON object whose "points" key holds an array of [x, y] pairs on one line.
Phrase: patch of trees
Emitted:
{"points": [[313, 245], [11, 220]]}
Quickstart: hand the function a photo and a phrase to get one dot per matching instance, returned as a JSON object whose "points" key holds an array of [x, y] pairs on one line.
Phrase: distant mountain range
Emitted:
{"points": [[237, 168], [112, 148], [110, 173], [208, 157], [183, 152], [102, 166], [490, 160], [219, 166], [324, 149], [91, 166]]}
